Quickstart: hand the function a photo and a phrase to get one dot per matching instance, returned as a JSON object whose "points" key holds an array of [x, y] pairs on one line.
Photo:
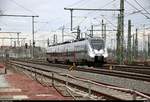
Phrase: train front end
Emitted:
{"points": [[98, 51]]}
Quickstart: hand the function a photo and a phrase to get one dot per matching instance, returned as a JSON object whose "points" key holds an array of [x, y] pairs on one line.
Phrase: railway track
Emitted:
{"points": [[127, 68], [124, 71], [95, 88]]}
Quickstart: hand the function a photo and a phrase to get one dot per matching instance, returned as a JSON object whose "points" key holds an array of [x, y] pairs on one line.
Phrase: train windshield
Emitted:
{"points": [[97, 44]]}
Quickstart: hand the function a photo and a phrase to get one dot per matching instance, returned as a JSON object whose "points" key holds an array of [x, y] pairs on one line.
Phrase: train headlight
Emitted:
{"points": [[96, 51], [92, 54]]}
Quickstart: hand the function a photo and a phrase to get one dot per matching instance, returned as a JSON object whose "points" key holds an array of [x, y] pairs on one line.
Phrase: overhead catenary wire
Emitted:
{"points": [[127, 15], [108, 21], [92, 12], [104, 16], [22, 6], [80, 22], [108, 4], [137, 9], [142, 7], [100, 7], [76, 3], [85, 1], [135, 12]]}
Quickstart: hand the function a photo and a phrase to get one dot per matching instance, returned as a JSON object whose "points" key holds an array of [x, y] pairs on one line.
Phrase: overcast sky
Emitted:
{"points": [[52, 15]]}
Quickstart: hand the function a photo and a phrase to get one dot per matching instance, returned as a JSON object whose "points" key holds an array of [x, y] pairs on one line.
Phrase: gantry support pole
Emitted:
{"points": [[78, 32], [54, 39], [91, 31], [71, 11], [144, 44], [136, 44], [129, 43], [122, 30], [133, 47], [33, 42], [149, 45], [102, 28], [105, 33], [48, 42], [18, 39], [63, 28], [118, 50]]}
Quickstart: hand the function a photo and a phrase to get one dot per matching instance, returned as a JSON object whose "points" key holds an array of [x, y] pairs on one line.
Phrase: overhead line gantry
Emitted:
{"points": [[83, 9], [30, 16]]}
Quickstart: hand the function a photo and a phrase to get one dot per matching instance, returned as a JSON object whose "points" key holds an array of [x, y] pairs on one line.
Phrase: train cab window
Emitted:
{"points": [[97, 44]]}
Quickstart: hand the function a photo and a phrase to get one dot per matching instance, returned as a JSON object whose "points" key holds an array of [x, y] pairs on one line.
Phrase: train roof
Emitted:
{"points": [[77, 40]]}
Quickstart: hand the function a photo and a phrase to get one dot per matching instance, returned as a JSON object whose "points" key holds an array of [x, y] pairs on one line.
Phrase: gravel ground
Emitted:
{"points": [[138, 85], [116, 81]]}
